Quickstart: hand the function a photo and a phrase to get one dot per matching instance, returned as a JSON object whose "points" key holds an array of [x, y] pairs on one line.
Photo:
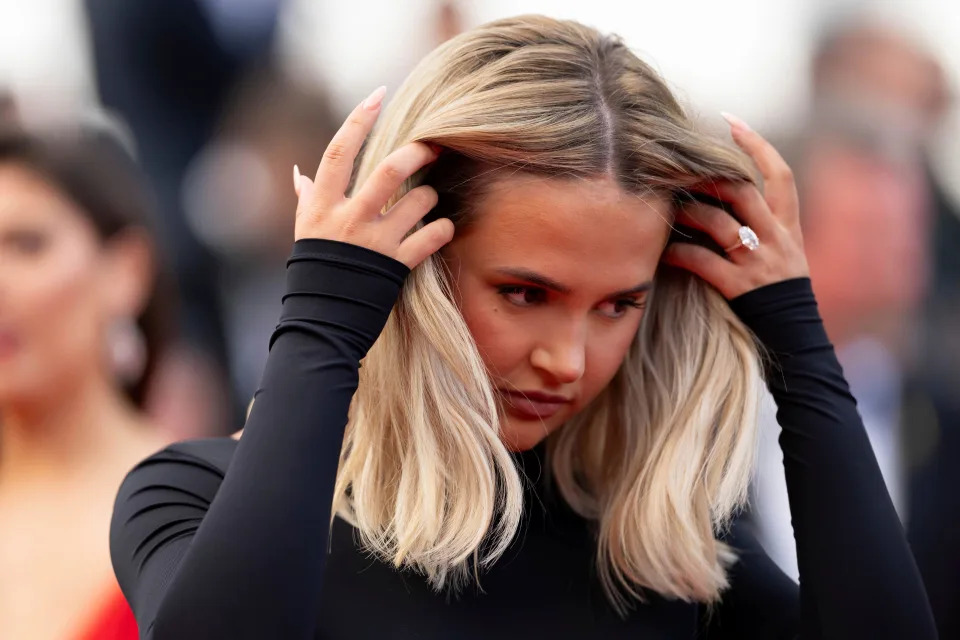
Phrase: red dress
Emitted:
{"points": [[112, 621]]}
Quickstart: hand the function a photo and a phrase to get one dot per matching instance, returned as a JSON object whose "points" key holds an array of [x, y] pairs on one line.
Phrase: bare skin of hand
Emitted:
{"points": [[774, 215], [324, 211]]}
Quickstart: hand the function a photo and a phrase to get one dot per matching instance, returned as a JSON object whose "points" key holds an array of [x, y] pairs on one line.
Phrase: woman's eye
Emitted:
{"points": [[619, 308], [523, 296]]}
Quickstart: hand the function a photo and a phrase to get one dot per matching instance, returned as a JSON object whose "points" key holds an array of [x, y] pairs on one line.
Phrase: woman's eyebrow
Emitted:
{"points": [[548, 283], [534, 278], [640, 288]]}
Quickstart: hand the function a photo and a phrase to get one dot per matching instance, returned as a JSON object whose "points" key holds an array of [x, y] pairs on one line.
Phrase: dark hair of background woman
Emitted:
{"points": [[97, 174]]}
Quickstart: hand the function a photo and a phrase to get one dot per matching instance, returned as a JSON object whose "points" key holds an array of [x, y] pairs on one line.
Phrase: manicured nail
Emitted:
{"points": [[296, 179], [373, 101], [735, 122]]}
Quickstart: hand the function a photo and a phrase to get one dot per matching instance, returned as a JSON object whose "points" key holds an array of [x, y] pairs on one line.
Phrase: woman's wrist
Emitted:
{"points": [[340, 285], [784, 316], [346, 253]]}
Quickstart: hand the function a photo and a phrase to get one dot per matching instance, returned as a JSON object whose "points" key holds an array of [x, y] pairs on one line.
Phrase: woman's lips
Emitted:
{"points": [[533, 405]]}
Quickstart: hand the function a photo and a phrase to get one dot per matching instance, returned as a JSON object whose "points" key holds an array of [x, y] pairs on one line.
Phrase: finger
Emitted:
{"points": [[780, 189], [411, 208], [748, 204], [706, 264], [721, 226], [390, 174], [424, 242], [336, 167], [305, 192]]}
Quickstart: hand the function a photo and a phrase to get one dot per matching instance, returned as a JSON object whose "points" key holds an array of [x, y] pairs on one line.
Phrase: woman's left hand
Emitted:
{"points": [[774, 216]]}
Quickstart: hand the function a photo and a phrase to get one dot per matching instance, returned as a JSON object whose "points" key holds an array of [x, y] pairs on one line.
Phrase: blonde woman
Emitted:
{"points": [[553, 424]]}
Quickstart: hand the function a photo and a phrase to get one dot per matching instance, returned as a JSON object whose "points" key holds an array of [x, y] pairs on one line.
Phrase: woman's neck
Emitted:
{"points": [[71, 434]]}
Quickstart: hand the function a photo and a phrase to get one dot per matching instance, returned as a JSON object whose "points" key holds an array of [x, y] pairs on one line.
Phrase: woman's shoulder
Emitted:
{"points": [[214, 452], [162, 501], [197, 465]]}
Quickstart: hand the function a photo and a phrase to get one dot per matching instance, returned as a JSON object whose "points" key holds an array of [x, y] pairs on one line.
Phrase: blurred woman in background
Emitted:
{"points": [[82, 323]]}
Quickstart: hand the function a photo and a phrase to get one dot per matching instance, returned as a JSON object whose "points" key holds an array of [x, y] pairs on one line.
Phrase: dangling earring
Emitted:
{"points": [[127, 350]]}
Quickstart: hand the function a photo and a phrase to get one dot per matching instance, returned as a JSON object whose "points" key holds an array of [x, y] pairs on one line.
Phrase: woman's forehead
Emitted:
{"points": [[25, 195], [589, 235], [589, 218]]}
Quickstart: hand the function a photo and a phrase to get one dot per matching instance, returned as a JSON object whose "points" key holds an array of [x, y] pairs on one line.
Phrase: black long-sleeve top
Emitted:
{"points": [[223, 539]]}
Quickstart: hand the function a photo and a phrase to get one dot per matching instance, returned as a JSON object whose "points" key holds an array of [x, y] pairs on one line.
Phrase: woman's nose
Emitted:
{"points": [[563, 359]]}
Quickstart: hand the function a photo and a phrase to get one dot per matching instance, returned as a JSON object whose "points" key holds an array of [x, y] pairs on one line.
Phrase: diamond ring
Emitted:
{"points": [[748, 239]]}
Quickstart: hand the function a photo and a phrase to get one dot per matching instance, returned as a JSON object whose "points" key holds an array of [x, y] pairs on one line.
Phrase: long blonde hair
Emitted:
{"points": [[661, 460]]}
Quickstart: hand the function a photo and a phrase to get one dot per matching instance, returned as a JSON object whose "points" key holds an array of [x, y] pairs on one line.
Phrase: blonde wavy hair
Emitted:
{"points": [[660, 461]]}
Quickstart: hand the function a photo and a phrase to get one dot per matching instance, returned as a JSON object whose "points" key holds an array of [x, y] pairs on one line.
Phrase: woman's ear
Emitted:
{"points": [[128, 273]]}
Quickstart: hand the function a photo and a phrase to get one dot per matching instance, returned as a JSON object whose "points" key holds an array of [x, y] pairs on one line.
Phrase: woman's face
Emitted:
{"points": [[551, 278], [59, 287]]}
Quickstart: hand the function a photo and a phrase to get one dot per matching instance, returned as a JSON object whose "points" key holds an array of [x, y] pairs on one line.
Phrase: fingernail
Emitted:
{"points": [[296, 179], [735, 122], [373, 101]]}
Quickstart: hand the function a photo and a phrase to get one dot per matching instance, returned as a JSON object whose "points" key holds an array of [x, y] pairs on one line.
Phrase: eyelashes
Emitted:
{"points": [[622, 306], [523, 296], [530, 296]]}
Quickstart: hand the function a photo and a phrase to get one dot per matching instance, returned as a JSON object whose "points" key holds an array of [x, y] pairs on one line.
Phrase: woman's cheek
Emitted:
{"points": [[606, 356], [500, 338]]}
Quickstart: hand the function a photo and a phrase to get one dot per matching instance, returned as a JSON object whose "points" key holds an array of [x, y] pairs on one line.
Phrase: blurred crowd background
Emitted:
{"points": [[161, 136]]}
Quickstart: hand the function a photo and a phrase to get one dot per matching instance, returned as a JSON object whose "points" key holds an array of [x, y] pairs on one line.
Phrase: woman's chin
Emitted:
{"points": [[522, 435]]}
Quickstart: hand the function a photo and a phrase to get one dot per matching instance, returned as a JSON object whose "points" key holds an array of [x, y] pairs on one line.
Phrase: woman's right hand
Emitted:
{"points": [[324, 211]]}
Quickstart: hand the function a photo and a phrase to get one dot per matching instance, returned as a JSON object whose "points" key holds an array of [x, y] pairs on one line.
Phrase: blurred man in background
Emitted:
{"points": [[882, 240], [168, 67], [238, 197], [8, 108]]}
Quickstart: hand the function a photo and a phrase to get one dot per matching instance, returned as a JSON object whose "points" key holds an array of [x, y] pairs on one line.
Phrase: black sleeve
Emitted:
{"points": [[206, 550], [858, 578]]}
